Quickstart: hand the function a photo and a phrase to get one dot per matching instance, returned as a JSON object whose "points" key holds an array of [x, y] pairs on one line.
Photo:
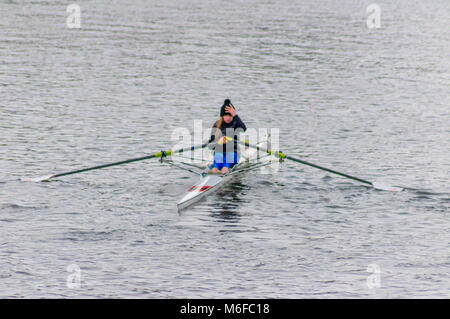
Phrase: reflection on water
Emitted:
{"points": [[228, 201]]}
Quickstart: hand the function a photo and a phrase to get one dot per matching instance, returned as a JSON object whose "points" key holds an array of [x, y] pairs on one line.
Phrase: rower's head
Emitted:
{"points": [[224, 111]]}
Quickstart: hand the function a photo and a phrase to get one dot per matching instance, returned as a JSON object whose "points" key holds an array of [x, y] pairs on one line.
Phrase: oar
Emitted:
{"points": [[284, 156], [156, 155]]}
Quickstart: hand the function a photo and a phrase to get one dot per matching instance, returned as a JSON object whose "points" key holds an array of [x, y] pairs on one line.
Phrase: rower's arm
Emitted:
{"points": [[240, 124], [215, 134]]}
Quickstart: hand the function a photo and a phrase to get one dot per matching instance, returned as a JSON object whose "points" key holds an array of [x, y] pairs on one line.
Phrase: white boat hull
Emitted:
{"points": [[209, 183]]}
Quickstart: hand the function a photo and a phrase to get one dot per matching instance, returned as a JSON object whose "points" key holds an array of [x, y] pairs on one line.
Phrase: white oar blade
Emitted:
{"points": [[388, 188], [37, 179]]}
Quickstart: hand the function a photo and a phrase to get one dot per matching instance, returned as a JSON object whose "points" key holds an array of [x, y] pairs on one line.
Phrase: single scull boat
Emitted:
{"points": [[208, 183], [252, 157]]}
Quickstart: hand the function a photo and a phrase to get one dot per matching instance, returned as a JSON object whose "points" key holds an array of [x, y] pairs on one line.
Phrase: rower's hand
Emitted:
{"points": [[224, 140], [231, 110], [212, 146]]}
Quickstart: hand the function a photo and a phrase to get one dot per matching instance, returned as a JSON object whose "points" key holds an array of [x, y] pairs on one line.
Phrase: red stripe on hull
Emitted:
{"points": [[199, 188]]}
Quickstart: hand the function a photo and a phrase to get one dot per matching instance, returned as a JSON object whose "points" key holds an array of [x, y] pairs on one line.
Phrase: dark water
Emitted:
{"points": [[374, 103]]}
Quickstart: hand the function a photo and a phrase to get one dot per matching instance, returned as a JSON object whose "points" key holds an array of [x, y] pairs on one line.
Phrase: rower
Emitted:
{"points": [[225, 133]]}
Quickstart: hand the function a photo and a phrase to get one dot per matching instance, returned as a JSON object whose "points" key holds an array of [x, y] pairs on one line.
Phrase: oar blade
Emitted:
{"points": [[384, 187], [37, 179]]}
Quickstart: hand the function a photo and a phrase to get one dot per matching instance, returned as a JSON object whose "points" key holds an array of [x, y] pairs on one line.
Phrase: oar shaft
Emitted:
{"points": [[328, 170], [105, 165], [284, 156], [159, 154]]}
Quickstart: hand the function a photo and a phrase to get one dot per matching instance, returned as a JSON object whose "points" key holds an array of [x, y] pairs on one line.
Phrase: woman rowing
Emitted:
{"points": [[225, 133]]}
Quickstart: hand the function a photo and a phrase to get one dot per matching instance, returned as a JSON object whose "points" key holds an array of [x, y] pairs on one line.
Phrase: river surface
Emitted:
{"points": [[371, 102]]}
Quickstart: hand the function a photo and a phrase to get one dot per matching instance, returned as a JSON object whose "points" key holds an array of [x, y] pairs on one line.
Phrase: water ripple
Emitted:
{"points": [[372, 103]]}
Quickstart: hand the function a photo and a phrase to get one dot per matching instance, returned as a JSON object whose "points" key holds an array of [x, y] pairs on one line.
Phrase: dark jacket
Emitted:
{"points": [[232, 130]]}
